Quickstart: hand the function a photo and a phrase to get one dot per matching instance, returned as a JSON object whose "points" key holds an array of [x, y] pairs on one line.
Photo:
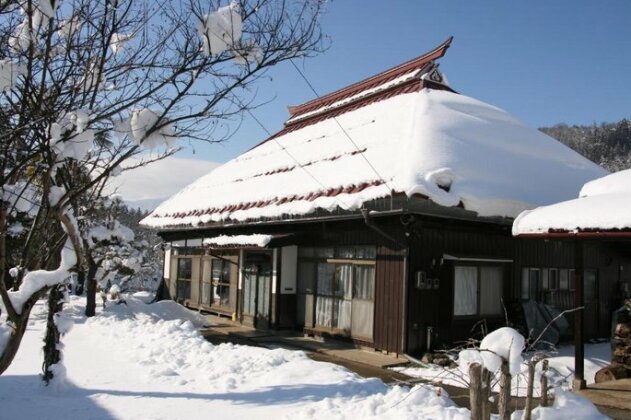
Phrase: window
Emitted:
{"points": [[340, 283], [184, 275], [220, 279], [478, 290]]}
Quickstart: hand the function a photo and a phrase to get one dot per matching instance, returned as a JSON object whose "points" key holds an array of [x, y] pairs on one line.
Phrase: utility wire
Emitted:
{"points": [[342, 128], [344, 206]]}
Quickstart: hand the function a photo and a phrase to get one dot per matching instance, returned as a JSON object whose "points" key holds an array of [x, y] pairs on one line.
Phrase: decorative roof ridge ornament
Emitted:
{"points": [[373, 81]]}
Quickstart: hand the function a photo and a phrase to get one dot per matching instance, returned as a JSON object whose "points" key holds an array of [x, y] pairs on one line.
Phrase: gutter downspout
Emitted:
{"points": [[368, 221]]}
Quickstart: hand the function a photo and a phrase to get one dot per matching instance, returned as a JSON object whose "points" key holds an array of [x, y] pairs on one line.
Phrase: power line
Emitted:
{"points": [[342, 128], [283, 148]]}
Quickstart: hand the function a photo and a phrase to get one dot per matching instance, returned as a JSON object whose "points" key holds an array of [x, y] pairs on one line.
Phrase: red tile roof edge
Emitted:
{"points": [[375, 80]]}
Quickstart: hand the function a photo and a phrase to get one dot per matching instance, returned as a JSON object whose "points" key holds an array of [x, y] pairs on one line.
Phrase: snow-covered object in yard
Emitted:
{"points": [[9, 72], [221, 30], [566, 405], [439, 144], [560, 372], [502, 344], [603, 205], [257, 240]]}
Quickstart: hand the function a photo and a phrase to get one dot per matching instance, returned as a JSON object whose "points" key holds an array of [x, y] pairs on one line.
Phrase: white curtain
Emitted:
{"points": [[465, 290]]}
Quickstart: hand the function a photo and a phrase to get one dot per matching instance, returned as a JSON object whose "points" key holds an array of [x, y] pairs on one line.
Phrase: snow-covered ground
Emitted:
{"points": [[561, 369], [150, 362]]}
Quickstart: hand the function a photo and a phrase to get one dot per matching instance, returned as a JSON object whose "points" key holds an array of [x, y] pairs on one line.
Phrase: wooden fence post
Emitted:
{"points": [[544, 383], [475, 391], [529, 390], [505, 391]]}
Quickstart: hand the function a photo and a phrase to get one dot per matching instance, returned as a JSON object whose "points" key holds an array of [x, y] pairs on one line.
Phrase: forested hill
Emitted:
{"points": [[608, 144]]}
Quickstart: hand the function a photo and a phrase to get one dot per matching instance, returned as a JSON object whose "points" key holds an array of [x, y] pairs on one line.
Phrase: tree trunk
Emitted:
{"points": [[90, 288], [52, 355], [78, 291], [20, 324]]}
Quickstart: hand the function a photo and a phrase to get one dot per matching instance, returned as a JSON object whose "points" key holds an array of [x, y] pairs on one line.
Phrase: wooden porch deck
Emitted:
{"points": [[612, 398]]}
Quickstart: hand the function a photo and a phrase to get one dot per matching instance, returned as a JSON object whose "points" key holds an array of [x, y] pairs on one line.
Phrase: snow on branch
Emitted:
{"points": [[37, 280]]}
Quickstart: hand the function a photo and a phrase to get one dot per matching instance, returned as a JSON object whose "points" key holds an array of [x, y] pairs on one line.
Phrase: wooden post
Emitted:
{"points": [[505, 391], [544, 383], [579, 302], [529, 390], [486, 394], [475, 391]]}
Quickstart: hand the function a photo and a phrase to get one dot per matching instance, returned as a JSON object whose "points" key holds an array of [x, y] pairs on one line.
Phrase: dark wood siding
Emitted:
{"points": [[389, 299]]}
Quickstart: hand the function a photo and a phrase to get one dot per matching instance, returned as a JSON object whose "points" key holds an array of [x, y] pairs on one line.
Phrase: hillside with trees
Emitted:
{"points": [[608, 144]]}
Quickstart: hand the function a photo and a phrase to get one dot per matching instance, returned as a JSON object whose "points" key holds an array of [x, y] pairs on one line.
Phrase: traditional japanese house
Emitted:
{"points": [[380, 213]]}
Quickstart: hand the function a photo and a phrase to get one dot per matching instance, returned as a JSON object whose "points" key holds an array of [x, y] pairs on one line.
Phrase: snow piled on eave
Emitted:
{"points": [[603, 205], [257, 240], [448, 147]]}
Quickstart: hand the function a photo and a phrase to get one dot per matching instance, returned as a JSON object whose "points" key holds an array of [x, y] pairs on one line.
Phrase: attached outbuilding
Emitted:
{"points": [[380, 213]]}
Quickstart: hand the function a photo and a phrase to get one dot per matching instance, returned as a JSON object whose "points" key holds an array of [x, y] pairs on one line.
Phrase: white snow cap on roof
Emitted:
{"points": [[448, 147], [603, 205]]}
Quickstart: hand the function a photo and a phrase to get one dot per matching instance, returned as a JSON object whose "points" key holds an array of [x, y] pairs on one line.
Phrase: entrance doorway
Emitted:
{"points": [[257, 288]]}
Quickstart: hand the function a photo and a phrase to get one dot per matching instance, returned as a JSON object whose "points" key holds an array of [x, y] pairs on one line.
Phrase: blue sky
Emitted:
{"points": [[543, 61]]}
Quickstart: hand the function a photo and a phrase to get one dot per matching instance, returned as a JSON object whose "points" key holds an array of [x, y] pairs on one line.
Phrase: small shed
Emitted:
{"points": [[599, 217]]}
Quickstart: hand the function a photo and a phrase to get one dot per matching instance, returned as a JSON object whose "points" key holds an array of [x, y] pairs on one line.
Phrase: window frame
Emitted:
{"points": [[183, 282], [223, 282]]}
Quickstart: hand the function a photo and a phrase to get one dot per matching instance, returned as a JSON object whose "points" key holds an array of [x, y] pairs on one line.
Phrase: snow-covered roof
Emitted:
{"points": [[225, 241], [603, 206], [405, 133]]}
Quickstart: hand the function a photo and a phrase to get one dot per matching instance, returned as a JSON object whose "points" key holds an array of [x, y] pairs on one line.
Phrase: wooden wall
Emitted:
{"points": [[389, 299]]}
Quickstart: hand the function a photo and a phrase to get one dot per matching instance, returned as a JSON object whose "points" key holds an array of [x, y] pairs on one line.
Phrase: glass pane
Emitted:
{"points": [[364, 282], [324, 252], [554, 279], [184, 268], [306, 277], [362, 320], [563, 279], [343, 315], [525, 285], [325, 279], [216, 270], [491, 290], [206, 294], [306, 252], [183, 289], [535, 275], [545, 279], [343, 280], [224, 295], [465, 290], [590, 291], [572, 279], [324, 311], [225, 272], [345, 252]]}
